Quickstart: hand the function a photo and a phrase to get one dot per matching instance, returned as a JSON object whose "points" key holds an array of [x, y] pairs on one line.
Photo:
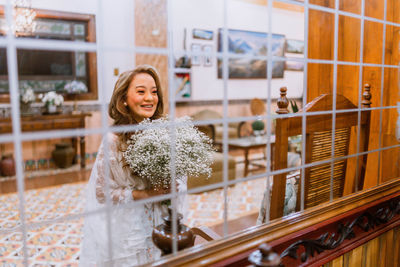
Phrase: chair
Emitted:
{"points": [[318, 148], [216, 174], [257, 108], [215, 131]]}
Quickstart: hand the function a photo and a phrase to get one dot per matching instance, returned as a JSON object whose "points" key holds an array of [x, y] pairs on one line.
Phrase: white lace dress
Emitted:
{"points": [[130, 225]]}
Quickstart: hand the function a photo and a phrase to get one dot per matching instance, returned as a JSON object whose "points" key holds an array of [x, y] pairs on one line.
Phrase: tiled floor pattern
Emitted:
{"points": [[57, 244]]}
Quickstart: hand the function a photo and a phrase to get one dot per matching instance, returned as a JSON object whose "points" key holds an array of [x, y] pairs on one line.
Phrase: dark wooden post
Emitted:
{"points": [[364, 134], [280, 159]]}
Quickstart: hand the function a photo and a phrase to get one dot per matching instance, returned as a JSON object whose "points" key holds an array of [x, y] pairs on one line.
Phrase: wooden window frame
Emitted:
{"points": [[90, 37]]}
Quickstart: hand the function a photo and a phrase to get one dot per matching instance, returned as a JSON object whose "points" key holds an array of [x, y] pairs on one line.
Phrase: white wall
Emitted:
{"points": [[118, 31], [208, 15]]}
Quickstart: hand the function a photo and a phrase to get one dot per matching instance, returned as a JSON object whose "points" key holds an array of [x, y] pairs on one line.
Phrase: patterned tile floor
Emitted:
{"points": [[57, 244]]}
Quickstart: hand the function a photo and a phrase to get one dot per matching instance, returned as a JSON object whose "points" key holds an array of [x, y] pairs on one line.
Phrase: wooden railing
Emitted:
{"points": [[325, 233]]}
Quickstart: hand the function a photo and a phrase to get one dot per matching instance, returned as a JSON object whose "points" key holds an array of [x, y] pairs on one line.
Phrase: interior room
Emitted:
{"points": [[274, 131]]}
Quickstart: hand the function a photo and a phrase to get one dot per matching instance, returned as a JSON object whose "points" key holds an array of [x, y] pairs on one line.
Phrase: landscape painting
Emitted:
{"points": [[255, 44], [202, 34], [295, 46]]}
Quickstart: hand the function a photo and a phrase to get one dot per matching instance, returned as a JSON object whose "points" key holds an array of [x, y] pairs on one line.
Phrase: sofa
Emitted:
{"points": [[213, 132], [217, 172]]}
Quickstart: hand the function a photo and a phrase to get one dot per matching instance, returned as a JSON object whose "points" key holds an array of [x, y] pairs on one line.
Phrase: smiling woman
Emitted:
{"points": [[136, 97]]}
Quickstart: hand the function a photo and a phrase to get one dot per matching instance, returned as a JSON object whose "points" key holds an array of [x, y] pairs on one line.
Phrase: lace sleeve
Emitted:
{"points": [[119, 192]]}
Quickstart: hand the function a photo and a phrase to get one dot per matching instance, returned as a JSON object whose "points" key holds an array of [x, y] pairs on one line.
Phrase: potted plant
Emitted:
{"points": [[52, 100], [27, 97], [258, 128]]}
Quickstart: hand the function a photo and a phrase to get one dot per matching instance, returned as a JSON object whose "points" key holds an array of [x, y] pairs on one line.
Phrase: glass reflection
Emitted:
{"points": [[191, 67]]}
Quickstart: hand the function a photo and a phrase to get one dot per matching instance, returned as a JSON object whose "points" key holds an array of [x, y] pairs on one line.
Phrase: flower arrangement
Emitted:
{"points": [[75, 87], [52, 99], [28, 95], [148, 153]]}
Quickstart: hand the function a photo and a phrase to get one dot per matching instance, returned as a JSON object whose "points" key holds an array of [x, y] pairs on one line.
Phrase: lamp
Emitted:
{"points": [[24, 17]]}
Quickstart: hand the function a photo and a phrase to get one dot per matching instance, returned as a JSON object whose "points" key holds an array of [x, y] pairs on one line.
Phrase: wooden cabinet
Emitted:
{"points": [[52, 122]]}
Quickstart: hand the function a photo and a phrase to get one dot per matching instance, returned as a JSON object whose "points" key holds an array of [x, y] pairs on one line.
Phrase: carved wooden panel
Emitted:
{"points": [[309, 225], [329, 240], [381, 251]]}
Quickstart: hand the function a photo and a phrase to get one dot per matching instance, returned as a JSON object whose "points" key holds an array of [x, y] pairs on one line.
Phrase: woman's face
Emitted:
{"points": [[142, 98]]}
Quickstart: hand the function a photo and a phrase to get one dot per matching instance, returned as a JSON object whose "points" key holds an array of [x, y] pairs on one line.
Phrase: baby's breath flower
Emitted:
{"points": [[149, 151]]}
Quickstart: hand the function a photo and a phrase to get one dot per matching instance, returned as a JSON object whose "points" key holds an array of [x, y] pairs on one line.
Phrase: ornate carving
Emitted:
{"points": [[328, 241]]}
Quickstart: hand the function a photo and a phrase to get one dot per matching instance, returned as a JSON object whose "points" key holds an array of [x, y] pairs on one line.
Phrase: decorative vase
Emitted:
{"points": [[51, 108], [25, 109], [63, 155], [75, 106], [7, 165], [162, 234], [258, 135]]}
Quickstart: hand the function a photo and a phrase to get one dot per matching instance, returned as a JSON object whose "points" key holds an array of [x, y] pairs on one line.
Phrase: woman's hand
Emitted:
{"points": [[142, 194]]}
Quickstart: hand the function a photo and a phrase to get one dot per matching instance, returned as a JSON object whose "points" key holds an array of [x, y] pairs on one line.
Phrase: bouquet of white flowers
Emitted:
{"points": [[75, 87], [149, 152], [28, 95], [52, 98]]}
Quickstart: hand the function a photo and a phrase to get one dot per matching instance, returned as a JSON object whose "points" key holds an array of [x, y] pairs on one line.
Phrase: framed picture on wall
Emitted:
{"points": [[207, 50], [294, 46], [196, 57], [202, 34], [251, 43]]}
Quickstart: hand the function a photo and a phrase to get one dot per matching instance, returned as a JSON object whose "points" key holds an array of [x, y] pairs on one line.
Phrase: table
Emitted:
{"points": [[51, 122], [248, 143]]}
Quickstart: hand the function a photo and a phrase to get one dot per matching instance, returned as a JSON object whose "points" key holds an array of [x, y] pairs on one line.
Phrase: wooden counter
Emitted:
{"points": [[51, 122]]}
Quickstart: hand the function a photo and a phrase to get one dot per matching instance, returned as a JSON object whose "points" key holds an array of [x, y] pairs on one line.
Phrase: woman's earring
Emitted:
{"points": [[125, 104]]}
